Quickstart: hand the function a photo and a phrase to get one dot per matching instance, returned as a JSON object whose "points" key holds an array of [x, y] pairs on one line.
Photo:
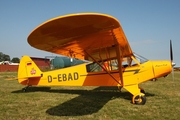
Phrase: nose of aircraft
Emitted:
{"points": [[162, 68]]}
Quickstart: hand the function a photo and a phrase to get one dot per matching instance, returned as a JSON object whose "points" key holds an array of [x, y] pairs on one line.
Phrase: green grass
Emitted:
{"points": [[88, 103]]}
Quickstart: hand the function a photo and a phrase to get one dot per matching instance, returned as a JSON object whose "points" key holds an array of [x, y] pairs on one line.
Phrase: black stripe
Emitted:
{"points": [[135, 72]]}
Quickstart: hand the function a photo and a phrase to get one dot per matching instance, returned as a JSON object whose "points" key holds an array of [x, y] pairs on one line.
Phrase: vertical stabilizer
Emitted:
{"points": [[28, 69]]}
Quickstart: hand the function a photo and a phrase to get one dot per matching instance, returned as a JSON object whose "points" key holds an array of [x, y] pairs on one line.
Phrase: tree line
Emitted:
{"points": [[4, 57]]}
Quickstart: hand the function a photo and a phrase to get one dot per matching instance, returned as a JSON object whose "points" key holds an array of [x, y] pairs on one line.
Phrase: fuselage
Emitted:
{"points": [[80, 76]]}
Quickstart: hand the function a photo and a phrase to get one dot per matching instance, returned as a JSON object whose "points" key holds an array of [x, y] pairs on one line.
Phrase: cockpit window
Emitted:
{"points": [[112, 64]]}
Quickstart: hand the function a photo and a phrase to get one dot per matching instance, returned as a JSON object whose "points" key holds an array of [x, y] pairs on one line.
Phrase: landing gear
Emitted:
{"points": [[25, 89], [138, 94], [139, 99]]}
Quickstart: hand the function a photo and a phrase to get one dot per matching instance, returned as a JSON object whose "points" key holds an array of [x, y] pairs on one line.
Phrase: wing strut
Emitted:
{"points": [[119, 58], [102, 67]]}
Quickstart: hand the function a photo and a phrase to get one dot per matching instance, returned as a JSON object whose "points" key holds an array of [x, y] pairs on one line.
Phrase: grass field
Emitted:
{"points": [[88, 103]]}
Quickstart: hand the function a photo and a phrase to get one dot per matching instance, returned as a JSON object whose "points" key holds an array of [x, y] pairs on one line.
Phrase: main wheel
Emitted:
{"points": [[139, 99]]}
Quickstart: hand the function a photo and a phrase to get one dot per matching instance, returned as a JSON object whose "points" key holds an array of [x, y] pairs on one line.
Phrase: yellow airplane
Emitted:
{"points": [[99, 40]]}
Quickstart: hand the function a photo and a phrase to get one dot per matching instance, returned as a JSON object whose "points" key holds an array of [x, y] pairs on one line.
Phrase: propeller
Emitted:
{"points": [[171, 52], [171, 57]]}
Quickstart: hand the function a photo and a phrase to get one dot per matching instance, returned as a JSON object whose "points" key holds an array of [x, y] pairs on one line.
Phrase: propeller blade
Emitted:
{"points": [[173, 74], [171, 56], [171, 51]]}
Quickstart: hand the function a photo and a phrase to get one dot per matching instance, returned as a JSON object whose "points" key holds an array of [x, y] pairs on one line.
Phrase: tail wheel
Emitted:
{"points": [[139, 99]]}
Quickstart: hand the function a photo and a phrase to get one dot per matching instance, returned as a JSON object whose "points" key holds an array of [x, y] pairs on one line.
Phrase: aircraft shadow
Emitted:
{"points": [[88, 101]]}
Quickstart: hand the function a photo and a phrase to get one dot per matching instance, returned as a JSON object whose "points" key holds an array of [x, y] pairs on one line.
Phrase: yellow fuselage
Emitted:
{"points": [[78, 75]]}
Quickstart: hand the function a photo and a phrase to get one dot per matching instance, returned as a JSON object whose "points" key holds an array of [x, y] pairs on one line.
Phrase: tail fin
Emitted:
{"points": [[28, 69]]}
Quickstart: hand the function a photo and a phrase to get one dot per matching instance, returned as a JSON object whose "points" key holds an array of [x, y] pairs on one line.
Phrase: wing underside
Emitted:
{"points": [[78, 34]]}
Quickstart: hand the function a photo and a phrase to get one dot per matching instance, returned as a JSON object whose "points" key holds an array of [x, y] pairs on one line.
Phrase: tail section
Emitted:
{"points": [[27, 71]]}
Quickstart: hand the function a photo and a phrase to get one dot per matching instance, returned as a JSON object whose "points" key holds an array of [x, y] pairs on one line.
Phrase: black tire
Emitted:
{"points": [[140, 100]]}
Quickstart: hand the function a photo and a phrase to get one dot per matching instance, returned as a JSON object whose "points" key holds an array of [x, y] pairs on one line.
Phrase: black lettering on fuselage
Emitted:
{"points": [[64, 77], [49, 78], [76, 76], [59, 78], [68, 77]]}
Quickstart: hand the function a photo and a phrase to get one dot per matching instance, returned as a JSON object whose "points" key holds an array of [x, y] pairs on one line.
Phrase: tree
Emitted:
{"points": [[1, 54], [15, 60], [4, 57]]}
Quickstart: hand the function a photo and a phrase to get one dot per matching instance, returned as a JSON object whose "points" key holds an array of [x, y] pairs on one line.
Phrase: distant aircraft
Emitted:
{"points": [[94, 37]]}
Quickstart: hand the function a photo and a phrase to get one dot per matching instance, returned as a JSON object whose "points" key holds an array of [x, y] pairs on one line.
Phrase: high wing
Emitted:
{"points": [[76, 35]]}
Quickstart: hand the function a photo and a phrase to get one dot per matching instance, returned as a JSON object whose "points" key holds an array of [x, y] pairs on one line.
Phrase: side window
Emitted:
{"points": [[93, 67], [108, 65], [113, 63], [128, 62]]}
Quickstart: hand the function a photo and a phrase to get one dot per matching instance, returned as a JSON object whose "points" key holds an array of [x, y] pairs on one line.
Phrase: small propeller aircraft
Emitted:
{"points": [[100, 41]]}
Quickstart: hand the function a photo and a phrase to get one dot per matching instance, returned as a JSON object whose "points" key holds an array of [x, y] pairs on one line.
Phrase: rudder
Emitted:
{"points": [[28, 69]]}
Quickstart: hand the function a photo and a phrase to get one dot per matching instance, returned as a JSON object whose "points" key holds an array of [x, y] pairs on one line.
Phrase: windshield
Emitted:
{"points": [[129, 61], [140, 58]]}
